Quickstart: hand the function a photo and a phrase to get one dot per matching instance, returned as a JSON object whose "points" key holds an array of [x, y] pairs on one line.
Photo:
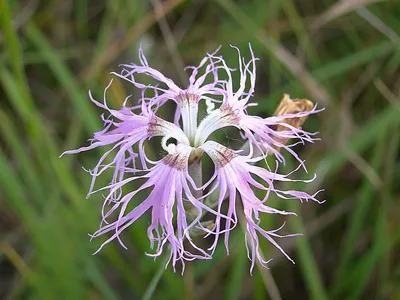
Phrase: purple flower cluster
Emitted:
{"points": [[176, 198]]}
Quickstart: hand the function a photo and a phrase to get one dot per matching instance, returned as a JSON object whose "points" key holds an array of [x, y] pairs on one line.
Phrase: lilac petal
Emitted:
{"points": [[235, 176]]}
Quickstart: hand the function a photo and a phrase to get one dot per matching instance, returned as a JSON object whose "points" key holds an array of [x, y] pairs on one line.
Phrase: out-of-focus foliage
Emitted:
{"points": [[342, 54]]}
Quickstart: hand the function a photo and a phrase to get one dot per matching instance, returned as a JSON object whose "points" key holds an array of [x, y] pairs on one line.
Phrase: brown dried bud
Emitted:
{"points": [[292, 106]]}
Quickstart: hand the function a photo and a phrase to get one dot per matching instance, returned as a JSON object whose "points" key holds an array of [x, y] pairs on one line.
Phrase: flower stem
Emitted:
{"points": [[155, 280], [196, 172]]}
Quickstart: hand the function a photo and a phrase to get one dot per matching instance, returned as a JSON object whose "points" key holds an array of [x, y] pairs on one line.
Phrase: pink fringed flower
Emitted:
{"points": [[187, 99], [234, 176], [176, 193], [261, 133], [170, 185]]}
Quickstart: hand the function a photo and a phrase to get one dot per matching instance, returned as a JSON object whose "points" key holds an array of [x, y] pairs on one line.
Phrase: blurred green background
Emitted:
{"points": [[343, 55]]}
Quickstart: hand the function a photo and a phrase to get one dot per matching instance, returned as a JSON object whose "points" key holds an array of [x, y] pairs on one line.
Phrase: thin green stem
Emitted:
{"points": [[156, 279], [196, 172]]}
